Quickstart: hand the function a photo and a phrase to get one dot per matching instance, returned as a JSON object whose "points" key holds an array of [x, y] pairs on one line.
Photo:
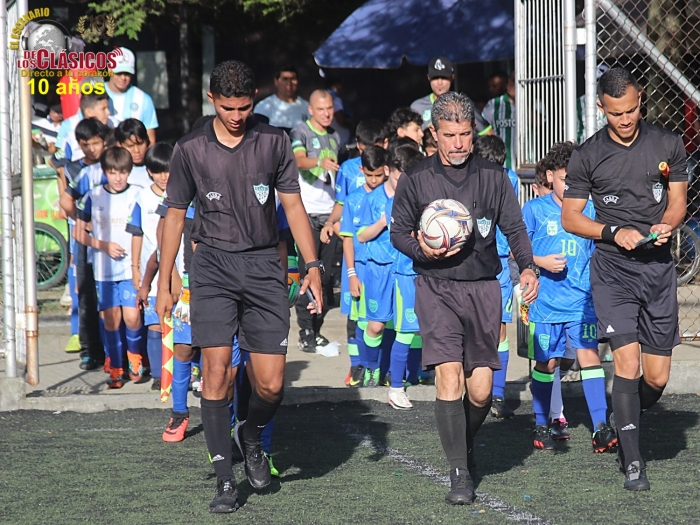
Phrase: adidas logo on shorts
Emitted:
{"points": [[284, 342], [609, 329]]}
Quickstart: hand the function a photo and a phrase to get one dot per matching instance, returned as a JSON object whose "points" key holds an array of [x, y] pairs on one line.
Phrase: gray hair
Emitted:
{"points": [[452, 107]]}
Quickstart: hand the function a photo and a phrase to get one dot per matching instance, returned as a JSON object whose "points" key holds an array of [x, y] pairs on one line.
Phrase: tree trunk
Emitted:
{"points": [[184, 69]]}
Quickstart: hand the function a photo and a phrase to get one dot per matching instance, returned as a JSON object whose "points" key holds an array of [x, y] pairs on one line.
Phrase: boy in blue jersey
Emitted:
{"points": [[142, 225], [354, 262], [564, 308], [378, 281], [407, 340], [493, 149]]}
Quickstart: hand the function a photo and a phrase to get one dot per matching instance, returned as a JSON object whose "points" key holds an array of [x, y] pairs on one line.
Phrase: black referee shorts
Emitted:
{"points": [[242, 293], [460, 321], [635, 301]]}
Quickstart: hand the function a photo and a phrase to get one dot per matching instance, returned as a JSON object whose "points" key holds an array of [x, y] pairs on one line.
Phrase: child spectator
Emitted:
{"points": [[104, 211]]}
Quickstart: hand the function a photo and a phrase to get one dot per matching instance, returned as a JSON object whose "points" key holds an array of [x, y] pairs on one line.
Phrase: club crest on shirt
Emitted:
{"points": [[315, 143], [658, 190], [262, 192], [543, 339], [484, 226], [552, 228], [134, 106]]}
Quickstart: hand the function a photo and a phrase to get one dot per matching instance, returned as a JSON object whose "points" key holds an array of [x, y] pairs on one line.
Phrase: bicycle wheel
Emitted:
{"points": [[52, 256], [685, 248]]}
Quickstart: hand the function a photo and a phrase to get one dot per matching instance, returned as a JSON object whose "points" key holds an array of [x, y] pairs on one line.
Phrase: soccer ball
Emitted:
{"points": [[445, 223], [293, 284]]}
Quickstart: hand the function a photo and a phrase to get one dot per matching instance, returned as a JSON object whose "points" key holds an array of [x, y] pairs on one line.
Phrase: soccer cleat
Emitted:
{"points": [[385, 381], [542, 439], [226, 498], [89, 364], [500, 410], [371, 378], [560, 430], [257, 467], [461, 488], [155, 386], [321, 341], [73, 344], [604, 438], [273, 470], [398, 399], [107, 366], [177, 427], [636, 477], [135, 367], [357, 377], [348, 378], [307, 341], [116, 379]]}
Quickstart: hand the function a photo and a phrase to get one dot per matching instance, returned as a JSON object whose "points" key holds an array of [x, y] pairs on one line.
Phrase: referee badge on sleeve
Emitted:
{"points": [[262, 192]]}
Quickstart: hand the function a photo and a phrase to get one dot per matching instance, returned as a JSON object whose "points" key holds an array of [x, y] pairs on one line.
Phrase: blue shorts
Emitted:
{"points": [[358, 307], [345, 297], [182, 332], [236, 359], [506, 292], [549, 340], [379, 288], [115, 293], [150, 317], [405, 319]]}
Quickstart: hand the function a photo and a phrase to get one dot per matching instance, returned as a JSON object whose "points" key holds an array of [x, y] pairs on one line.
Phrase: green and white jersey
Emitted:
{"points": [[424, 107], [600, 120], [317, 185], [500, 113]]}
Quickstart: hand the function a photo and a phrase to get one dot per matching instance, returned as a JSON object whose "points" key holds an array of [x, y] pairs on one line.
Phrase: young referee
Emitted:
{"points": [[234, 165], [636, 174], [458, 298]]}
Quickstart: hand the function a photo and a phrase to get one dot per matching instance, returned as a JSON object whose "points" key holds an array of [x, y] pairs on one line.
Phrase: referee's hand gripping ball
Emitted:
{"points": [[436, 254]]}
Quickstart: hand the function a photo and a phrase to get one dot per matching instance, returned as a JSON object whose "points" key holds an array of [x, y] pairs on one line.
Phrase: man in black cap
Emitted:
{"points": [[441, 73]]}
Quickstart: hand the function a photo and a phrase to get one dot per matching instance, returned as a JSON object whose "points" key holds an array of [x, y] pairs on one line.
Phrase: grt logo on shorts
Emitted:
{"points": [[610, 199]]}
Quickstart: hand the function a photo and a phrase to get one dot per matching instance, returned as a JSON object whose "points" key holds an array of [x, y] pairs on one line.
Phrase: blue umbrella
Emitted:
{"points": [[382, 32]]}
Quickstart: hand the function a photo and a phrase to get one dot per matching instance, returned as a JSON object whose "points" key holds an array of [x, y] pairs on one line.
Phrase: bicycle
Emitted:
{"points": [[685, 248]]}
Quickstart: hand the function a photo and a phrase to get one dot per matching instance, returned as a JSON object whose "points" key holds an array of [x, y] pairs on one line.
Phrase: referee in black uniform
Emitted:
{"points": [[458, 299], [636, 174], [234, 165]]}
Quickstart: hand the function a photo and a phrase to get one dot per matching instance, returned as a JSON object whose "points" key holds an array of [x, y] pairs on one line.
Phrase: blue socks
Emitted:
{"points": [[353, 351], [499, 376], [133, 341], [388, 337], [113, 346], [372, 345], [541, 387], [74, 317], [181, 383], [154, 347], [593, 379], [399, 357], [361, 346]]}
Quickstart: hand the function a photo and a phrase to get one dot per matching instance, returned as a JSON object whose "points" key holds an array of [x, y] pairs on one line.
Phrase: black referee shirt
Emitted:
{"points": [[484, 188], [235, 187], [625, 182]]}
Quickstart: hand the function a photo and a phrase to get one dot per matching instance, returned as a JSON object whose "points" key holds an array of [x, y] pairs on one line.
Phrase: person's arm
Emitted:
{"points": [[67, 204], [151, 135], [301, 231], [368, 233], [307, 163], [136, 245], [327, 230], [149, 274], [82, 235]]}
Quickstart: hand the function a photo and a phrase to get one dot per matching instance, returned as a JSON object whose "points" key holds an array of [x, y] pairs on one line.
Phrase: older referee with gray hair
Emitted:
{"points": [[458, 299]]}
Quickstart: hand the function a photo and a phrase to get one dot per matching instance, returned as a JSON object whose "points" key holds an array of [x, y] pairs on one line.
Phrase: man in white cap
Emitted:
{"points": [[129, 101]]}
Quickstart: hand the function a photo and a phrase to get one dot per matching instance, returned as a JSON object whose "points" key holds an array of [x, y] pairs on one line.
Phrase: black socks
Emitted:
{"points": [[216, 421], [477, 415], [625, 403], [260, 412], [451, 423], [648, 395]]}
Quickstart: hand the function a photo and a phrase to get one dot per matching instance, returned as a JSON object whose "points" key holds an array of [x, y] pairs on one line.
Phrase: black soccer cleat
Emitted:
{"points": [[636, 477], [461, 488], [257, 467], [500, 410], [307, 341], [604, 438], [542, 439], [321, 341], [226, 497], [560, 430]]}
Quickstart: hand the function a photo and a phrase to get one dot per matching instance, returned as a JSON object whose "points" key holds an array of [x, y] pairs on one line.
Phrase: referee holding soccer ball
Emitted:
{"points": [[636, 174], [458, 298]]}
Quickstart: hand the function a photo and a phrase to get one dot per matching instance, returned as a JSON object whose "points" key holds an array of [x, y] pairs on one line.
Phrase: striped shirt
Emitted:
{"points": [[500, 113]]}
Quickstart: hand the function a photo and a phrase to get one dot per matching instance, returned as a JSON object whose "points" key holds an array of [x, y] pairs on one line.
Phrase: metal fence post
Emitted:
{"points": [[589, 14], [570, 117], [8, 275]]}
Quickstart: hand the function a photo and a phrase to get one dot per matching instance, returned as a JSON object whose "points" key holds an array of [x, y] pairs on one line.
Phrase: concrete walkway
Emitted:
{"points": [[309, 377]]}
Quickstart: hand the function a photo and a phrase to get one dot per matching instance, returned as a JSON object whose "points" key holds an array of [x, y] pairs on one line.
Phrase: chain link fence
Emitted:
{"points": [[659, 42]]}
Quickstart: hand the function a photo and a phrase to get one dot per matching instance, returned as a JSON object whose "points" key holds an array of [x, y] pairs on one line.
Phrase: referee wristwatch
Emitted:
{"points": [[536, 269], [316, 264]]}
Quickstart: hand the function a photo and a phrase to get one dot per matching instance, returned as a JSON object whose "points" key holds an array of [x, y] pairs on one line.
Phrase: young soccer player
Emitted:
{"points": [[493, 149], [355, 259], [378, 282], [405, 319], [103, 211], [564, 308], [404, 122], [132, 135], [142, 225]]}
